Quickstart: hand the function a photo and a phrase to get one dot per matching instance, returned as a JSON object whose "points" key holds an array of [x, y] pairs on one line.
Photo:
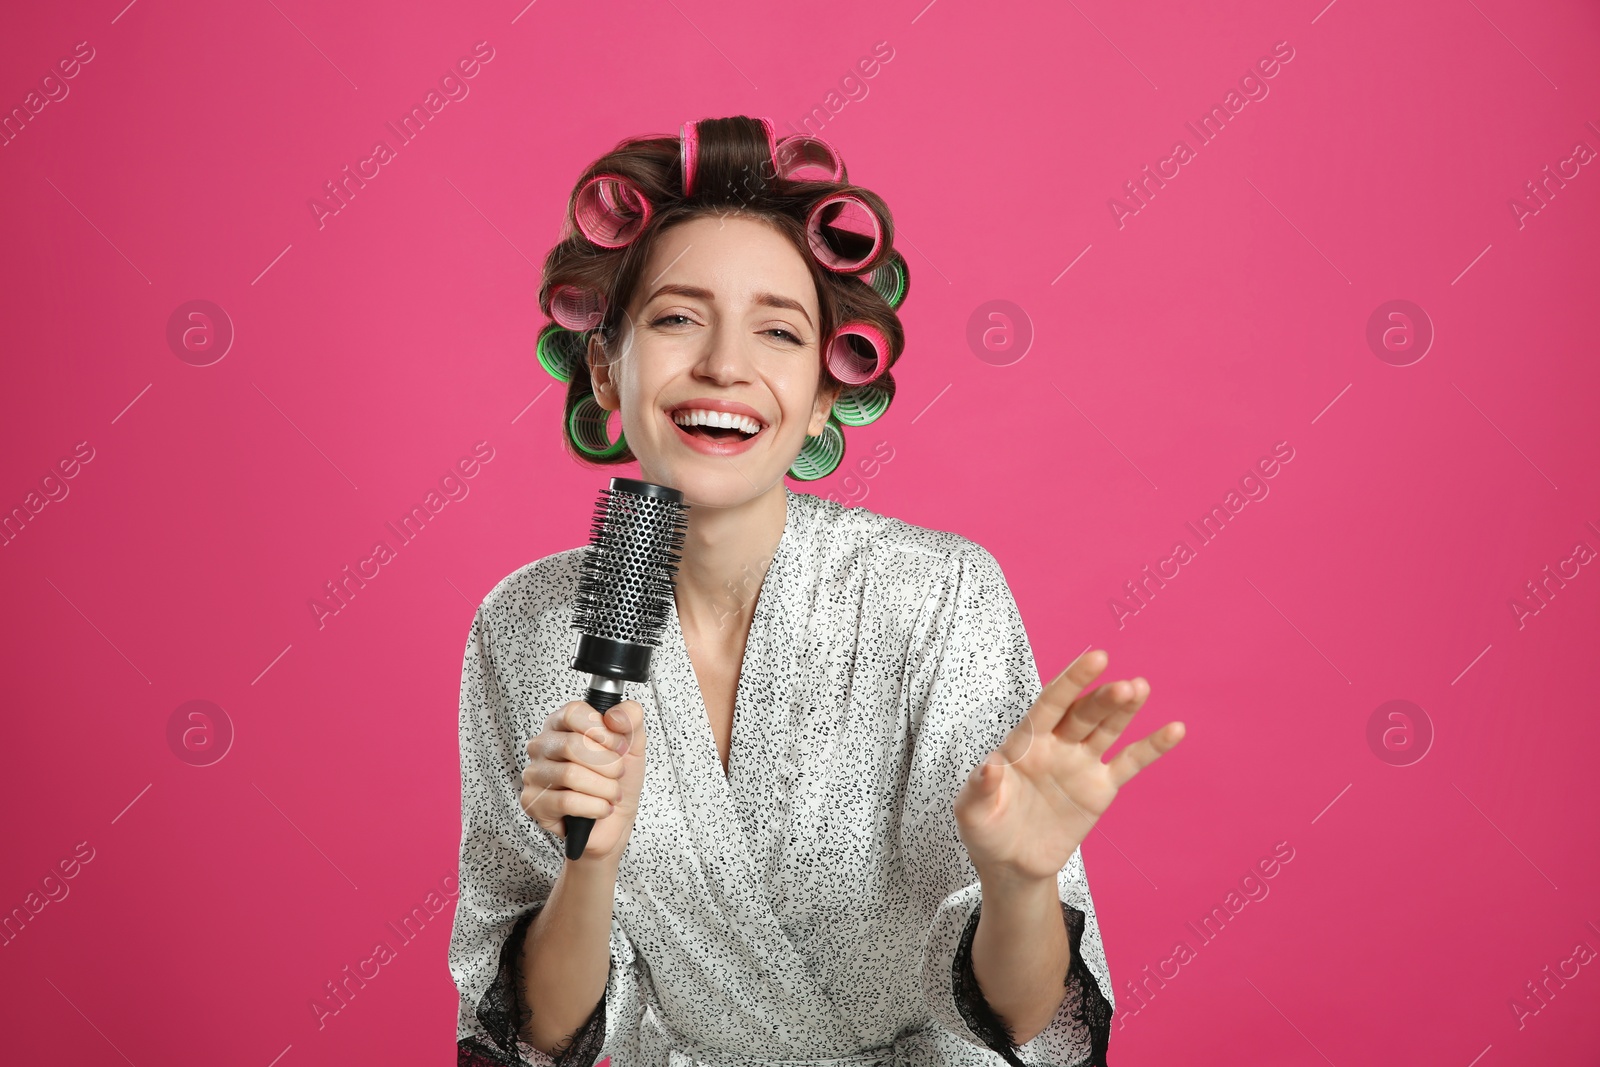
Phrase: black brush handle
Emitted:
{"points": [[578, 826], [624, 597]]}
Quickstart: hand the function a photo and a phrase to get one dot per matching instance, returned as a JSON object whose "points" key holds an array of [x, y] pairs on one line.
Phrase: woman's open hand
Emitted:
{"points": [[1033, 800]]}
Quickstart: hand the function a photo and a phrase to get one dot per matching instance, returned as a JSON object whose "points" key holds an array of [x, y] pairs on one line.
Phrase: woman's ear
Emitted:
{"points": [[827, 394], [605, 390]]}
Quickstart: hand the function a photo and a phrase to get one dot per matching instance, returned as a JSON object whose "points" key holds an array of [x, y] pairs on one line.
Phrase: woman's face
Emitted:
{"points": [[724, 318]]}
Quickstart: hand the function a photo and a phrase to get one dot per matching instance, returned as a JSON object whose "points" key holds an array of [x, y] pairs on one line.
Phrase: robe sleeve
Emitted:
{"points": [[509, 865], [971, 677]]}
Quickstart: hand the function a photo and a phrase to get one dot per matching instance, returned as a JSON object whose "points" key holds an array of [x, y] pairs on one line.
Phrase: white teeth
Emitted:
{"points": [[725, 419]]}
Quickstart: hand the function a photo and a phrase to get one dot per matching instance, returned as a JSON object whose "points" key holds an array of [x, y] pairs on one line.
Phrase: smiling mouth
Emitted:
{"points": [[716, 433], [702, 425]]}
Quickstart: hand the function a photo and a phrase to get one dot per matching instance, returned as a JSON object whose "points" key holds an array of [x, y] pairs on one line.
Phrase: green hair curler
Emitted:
{"points": [[859, 405], [561, 351], [892, 280], [820, 455], [586, 425]]}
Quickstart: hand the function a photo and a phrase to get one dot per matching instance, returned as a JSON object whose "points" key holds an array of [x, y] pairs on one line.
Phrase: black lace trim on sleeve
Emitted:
{"points": [[503, 1012], [472, 1052], [1084, 1001]]}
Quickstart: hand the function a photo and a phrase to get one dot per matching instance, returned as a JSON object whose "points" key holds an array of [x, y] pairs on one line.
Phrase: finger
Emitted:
{"points": [[532, 785], [1099, 719], [627, 719], [604, 729], [528, 799], [1057, 697], [581, 719], [1139, 755], [1085, 713], [986, 775], [577, 776], [1111, 727], [598, 749], [576, 715], [556, 804], [551, 724]]}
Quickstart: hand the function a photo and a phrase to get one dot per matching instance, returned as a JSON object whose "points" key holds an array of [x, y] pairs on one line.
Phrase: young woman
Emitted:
{"points": [[840, 823]]}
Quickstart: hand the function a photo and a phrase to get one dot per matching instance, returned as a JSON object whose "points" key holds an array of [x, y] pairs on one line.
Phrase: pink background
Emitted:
{"points": [[1230, 313]]}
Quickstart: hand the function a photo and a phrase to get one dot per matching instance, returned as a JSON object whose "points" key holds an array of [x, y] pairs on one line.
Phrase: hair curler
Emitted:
{"points": [[577, 307], [804, 157], [857, 353], [689, 152], [862, 405], [610, 210], [820, 455], [560, 351], [624, 589], [844, 232], [891, 280], [586, 427]]}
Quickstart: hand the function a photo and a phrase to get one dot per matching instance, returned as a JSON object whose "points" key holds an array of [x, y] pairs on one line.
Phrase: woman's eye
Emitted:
{"points": [[675, 317]]}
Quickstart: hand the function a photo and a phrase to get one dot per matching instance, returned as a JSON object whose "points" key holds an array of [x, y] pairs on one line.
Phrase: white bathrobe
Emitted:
{"points": [[815, 905]]}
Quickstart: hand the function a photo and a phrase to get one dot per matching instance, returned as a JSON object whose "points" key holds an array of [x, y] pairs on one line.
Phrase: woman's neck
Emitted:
{"points": [[725, 557]]}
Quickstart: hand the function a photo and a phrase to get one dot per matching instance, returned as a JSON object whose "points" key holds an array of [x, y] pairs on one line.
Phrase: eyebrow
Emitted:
{"points": [[765, 299]]}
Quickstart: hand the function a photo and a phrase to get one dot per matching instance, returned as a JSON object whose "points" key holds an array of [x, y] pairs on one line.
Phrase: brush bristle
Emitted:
{"points": [[625, 584]]}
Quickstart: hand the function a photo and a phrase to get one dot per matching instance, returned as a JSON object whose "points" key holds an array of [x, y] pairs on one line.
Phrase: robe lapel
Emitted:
{"points": [[722, 815], [766, 725]]}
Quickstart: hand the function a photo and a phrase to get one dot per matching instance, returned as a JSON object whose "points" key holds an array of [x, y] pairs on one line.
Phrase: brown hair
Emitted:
{"points": [[734, 174]]}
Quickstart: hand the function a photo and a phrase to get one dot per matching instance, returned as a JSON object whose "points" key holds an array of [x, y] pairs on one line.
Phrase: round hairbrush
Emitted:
{"points": [[624, 594]]}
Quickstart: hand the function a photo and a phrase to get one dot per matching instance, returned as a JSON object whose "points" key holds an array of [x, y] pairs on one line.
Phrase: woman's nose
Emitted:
{"points": [[725, 359]]}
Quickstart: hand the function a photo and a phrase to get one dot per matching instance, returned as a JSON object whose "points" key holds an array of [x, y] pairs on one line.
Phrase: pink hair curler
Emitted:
{"points": [[610, 210], [803, 157], [577, 307], [846, 359], [688, 150], [852, 223]]}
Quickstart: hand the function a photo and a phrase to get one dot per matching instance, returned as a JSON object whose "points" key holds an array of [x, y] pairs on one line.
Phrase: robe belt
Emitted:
{"points": [[696, 1058], [684, 1053]]}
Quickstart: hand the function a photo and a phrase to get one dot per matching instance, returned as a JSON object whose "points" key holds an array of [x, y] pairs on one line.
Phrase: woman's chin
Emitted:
{"points": [[714, 481]]}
